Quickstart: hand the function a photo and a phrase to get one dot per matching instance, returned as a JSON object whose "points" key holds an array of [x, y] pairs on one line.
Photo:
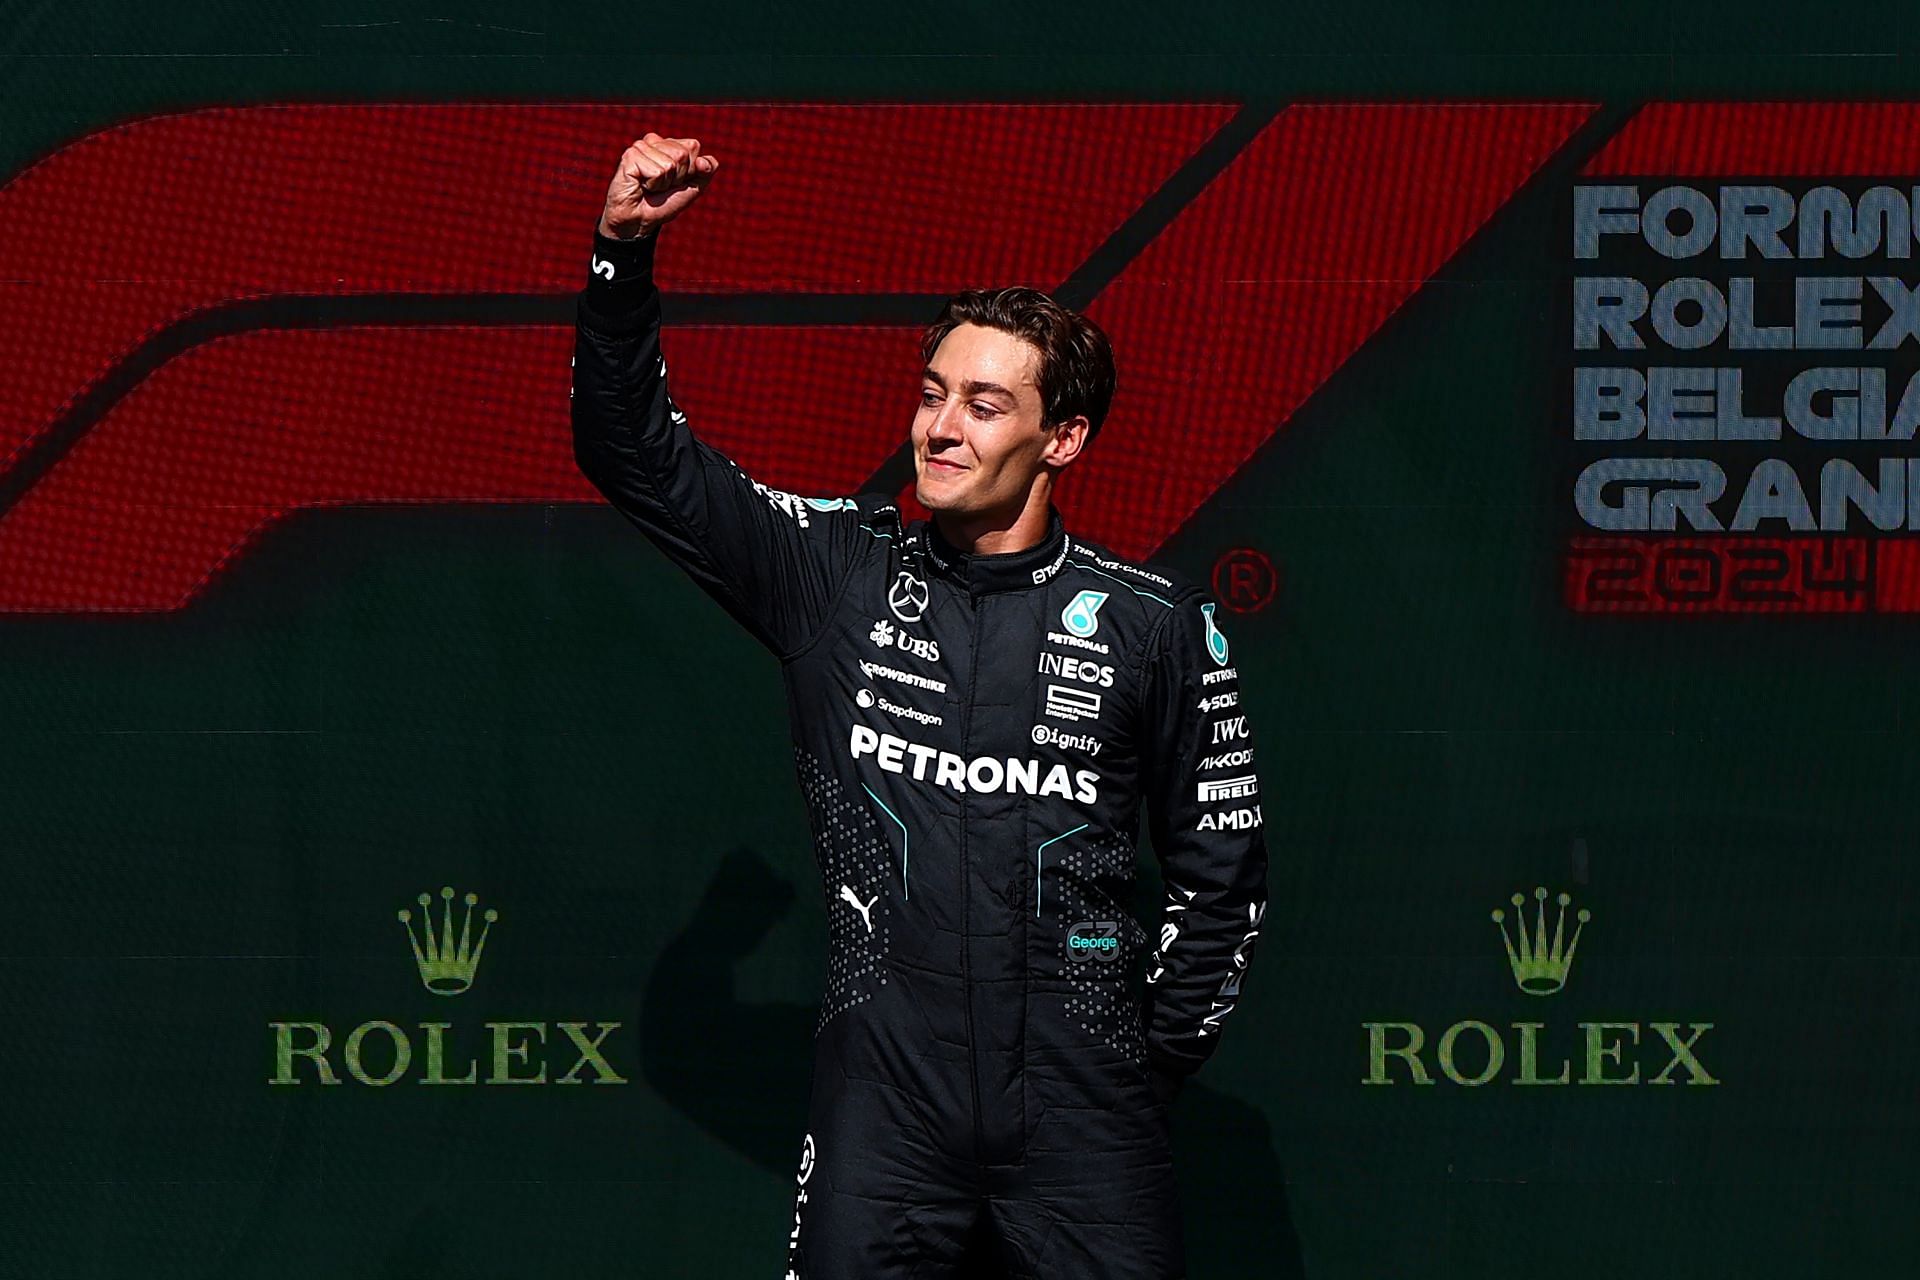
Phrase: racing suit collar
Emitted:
{"points": [[1005, 571]]}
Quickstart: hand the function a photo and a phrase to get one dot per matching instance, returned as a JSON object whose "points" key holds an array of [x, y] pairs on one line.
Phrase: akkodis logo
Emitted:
{"points": [[1473, 1051]]}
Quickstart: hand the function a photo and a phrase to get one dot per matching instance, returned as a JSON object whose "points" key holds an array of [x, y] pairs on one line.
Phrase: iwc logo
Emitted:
{"points": [[907, 597]]}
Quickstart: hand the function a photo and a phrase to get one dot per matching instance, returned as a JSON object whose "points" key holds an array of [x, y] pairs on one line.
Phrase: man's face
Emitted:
{"points": [[977, 436]]}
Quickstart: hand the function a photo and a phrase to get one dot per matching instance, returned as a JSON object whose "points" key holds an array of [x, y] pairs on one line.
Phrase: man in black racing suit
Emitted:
{"points": [[979, 705]]}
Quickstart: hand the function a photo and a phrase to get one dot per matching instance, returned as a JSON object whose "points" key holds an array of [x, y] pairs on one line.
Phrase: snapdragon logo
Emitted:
{"points": [[868, 698], [981, 775], [379, 1051], [1473, 1052]]}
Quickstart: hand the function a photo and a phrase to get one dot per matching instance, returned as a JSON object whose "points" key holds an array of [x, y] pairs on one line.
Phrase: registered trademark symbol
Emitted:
{"points": [[1245, 580]]}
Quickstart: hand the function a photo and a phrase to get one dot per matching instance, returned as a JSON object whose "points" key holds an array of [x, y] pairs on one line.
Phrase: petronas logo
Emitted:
{"points": [[1216, 643], [1540, 967], [1082, 614], [446, 966]]}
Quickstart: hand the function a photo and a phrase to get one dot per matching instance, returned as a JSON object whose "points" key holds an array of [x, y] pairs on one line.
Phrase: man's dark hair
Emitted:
{"points": [[1076, 361]]}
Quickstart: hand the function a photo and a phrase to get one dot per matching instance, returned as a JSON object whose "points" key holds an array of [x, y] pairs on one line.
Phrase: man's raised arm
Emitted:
{"points": [[773, 560]]}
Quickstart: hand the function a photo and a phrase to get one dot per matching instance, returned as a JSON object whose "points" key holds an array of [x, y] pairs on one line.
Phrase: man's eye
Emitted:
{"points": [[983, 410], [929, 397]]}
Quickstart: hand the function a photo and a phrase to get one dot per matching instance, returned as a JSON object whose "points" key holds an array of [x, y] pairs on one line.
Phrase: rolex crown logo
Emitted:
{"points": [[447, 967], [1540, 969]]}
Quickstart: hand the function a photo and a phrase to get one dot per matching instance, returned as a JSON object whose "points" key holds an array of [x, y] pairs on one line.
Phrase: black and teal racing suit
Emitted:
{"points": [[974, 735]]}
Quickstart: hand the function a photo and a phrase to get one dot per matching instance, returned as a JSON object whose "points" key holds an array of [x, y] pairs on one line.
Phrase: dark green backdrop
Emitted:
{"points": [[210, 817]]}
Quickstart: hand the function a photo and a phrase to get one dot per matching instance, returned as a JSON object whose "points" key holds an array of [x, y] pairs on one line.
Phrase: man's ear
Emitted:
{"points": [[1068, 439]]}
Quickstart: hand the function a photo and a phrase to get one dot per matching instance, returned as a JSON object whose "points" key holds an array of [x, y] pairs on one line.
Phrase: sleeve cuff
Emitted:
{"points": [[620, 274]]}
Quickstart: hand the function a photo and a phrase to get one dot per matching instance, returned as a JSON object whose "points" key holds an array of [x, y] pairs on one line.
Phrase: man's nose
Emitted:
{"points": [[946, 423]]}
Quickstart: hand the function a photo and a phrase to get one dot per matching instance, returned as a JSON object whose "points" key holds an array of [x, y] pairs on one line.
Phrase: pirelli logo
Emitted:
{"points": [[1229, 788]]}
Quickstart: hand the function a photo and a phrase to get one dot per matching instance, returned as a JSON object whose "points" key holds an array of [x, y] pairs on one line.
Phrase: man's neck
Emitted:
{"points": [[993, 533]]}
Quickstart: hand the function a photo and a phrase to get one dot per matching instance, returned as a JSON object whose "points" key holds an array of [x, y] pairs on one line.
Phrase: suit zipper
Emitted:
{"points": [[966, 885]]}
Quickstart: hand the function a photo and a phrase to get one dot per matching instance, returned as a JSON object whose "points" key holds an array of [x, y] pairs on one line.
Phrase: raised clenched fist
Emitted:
{"points": [[657, 178]]}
